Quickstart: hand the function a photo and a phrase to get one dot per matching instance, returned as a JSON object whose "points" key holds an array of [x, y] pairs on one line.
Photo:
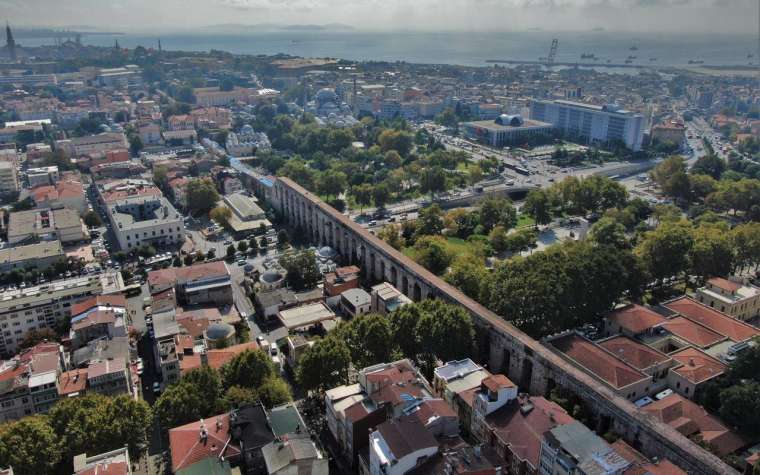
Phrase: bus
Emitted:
{"points": [[132, 290]]}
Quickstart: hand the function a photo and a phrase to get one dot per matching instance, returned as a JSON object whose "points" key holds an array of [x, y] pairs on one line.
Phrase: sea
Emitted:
{"points": [[460, 48]]}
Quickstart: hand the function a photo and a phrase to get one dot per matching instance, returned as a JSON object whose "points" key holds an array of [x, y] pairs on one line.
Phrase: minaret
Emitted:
{"points": [[10, 42], [116, 44], [159, 46]]}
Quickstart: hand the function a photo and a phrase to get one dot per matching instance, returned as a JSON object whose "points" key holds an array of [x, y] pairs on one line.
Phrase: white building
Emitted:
{"points": [[47, 225], [140, 220], [247, 142], [734, 298], [593, 124], [40, 306], [398, 446], [93, 144], [42, 176]]}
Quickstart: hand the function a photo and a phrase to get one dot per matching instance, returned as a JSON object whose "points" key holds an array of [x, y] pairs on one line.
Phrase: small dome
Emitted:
{"points": [[326, 95], [326, 252], [219, 331], [271, 277]]}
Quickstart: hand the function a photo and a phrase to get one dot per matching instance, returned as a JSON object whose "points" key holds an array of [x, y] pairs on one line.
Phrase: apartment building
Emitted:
{"points": [[42, 176], [28, 381], [591, 123], [205, 283], [9, 183], [47, 225], [40, 306], [38, 256], [63, 194]]}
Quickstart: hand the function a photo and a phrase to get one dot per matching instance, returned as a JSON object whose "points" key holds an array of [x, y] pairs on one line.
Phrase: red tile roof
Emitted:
{"points": [[601, 363], [99, 317], [217, 358], [724, 284], [632, 352], [523, 432], [107, 468], [713, 319], [73, 381], [82, 306], [187, 447], [406, 436], [692, 332], [697, 366], [635, 318], [495, 382], [689, 419]]}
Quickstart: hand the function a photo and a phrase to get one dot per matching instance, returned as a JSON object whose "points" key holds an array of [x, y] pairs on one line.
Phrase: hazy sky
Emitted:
{"points": [[721, 16]]}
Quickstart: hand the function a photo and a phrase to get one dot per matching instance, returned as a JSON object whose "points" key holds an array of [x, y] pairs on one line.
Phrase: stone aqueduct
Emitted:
{"points": [[502, 346]]}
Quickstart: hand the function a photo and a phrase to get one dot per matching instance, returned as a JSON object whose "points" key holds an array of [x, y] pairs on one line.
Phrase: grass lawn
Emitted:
{"points": [[525, 220], [455, 246]]}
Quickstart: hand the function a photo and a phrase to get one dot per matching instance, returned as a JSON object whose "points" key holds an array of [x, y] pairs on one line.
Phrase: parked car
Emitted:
{"points": [[156, 388]]}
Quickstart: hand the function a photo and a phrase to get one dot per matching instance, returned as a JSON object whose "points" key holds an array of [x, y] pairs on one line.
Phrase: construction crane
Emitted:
{"points": [[552, 52]]}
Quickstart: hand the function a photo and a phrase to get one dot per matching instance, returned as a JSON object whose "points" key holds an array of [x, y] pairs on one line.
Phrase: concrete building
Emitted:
{"points": [[386, 298], [145, 220], [573, 448], [590, 123], [109, 377], [38, 256], [28, 381], [42, 176], [63, 224], [93, 144], [63, 194], [306, 316], [205, 283], [355, 302], [741, 301], [399, 446], [40, 306], [9, 184], [247, 217]]}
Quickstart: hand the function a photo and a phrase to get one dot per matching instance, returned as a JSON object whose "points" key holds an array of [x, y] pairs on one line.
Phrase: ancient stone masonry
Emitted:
{"points": [[503, 347]]}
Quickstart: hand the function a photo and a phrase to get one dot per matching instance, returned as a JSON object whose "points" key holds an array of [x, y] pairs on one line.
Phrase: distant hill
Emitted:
{"points": [[280, 27]]}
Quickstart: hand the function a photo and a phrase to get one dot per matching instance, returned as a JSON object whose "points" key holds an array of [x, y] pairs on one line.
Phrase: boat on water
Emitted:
{"points": [[634, 48]]}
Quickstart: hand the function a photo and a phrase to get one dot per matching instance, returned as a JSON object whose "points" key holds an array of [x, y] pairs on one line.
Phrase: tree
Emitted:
{"points": [[380, 195], [249, 369], [220, 214], [664, 252], [362, 195], [709, 164], [32, 337], [746, 238], [445, 330], [740, 406], [608, 232], [432, 180], [146, 251], [179, 404], [92, 220], [160, 175], [324, 365], [712, 253], [201, 195], [466, 275], [498, 239], [237, 396], [135, 145], [398, 140], [537, 206], [368, 338], [392, 159], [301, 271], [390, 234], [282, 239], [230, 251], [188, 261], [495, 211], [670, 175], [30, 446], [242, 246], [273, 392], [331, 183], [430, 221], [99, 423], [208, 382], [432, 253]]}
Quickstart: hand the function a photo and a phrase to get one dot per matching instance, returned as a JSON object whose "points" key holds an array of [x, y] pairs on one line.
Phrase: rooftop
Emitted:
{"points": [[635, 318], [305, 315], [713, 319], [405, 436], [199, 440], [635, 354], [615, 372], [692, 332], [697, 366]]}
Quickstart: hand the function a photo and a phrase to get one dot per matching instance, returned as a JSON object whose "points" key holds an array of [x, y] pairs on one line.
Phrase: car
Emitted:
{"points": [[156, 388], [242, 262], [274, 351], [227, 242]]}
